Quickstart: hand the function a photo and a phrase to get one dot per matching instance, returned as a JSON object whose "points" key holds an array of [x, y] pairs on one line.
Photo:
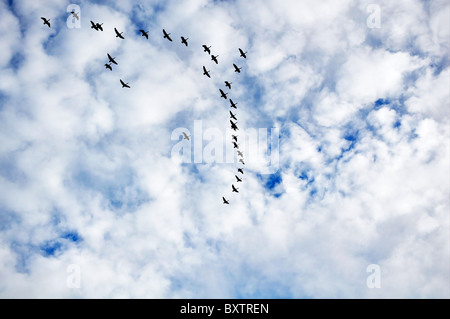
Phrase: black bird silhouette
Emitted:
{"points": [[234, 137], [214, 58], [233, 126], [206, 72], [243, 54], [228, 84], [206, 49], [234, 189], [94, 26], [241, 170], [124, 85], [184, 41], [233, 116], [108, 66], [99, 26], [236, 69], [186, 137], [111, 59], [240, 154], [242, 161], [46, 21], [233, 104], [75, 15], [223, 94], [144, 34], [225, 201], [235, 145], [238, 179], [118, 34], [166, 35]]}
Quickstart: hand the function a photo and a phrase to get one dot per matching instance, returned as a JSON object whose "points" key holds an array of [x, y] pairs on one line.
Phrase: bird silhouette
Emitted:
{"points": [[206, 72], [186, 137], [223, 94], [111, 59], [228, 84], [225, 201], [108, 66], [46, 21], [184, 41], [118, 34], [144, 34], [124, 85], [236, 69], [206, 49], [166, 35], [243, 54]]}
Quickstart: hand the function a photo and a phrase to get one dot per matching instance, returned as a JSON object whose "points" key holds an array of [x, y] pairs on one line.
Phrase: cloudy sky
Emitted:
{"points": [[343, 115]]}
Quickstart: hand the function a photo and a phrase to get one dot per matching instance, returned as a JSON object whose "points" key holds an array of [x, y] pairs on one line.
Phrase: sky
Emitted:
{"points": [[343, 116]]}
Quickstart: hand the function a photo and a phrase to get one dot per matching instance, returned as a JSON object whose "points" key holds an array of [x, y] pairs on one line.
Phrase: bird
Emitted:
{"points": [[206, 72], [124, 85], [75, 15], [111, 59], [234, 137], [233, 116], [144, 34], [233, 104], [46, 21], [99, 26], [234, 189], [223, 94], [225, 201], [236, 69], [240, 154], [235, 145], [228, 84], [184, 41], [185, 136], [108, 66], [233, 126], [238, 179], [214, 58], [166, 35], [94, 26], [206, 49], [118, 34], [242, 161], [243, 54], [241, 170]]}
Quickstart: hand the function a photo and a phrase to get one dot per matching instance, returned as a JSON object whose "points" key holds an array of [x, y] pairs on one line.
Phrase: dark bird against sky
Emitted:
{"points": [[111, 59], [206, 49], [206, 72], [118, 34], [144, 34], [167, 35], [46, 21], [124, 85], [243, 54]]}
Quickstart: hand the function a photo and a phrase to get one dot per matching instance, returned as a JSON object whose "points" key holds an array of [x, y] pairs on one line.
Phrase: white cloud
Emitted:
{"points": [[357, 184]]}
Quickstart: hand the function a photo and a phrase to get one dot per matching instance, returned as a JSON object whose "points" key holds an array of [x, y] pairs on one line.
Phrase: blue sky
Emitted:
{"points": [[89, 176]]}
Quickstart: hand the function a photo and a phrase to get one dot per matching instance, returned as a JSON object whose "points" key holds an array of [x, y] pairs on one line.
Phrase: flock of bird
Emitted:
{"points": [[207, 49]]}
